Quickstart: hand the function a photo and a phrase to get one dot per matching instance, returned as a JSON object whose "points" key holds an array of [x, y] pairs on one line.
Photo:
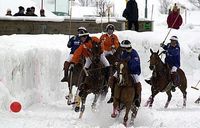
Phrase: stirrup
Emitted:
{"points": [[64, 79], [148, 81], [110, 100]]}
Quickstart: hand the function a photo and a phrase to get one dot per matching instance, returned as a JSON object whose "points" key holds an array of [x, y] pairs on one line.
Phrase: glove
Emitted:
{"points": [[113, 46], [162, 44]]}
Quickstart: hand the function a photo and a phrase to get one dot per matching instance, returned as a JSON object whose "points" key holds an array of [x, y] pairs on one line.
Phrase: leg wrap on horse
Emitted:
{"points": [[65, 68], [138, 89]]}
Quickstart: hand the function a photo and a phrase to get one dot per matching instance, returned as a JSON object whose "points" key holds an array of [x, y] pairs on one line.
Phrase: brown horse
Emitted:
{"points": [[161, 80], [93, 79], [124, 93]]}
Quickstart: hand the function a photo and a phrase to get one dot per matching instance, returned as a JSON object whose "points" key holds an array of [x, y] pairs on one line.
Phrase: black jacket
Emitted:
{"points": [[131, 11]]}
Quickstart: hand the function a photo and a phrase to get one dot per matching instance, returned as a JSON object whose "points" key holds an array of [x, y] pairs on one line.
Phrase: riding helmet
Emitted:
{"points": [[81, 28], [174, 38], [110, 26], [83, 33], [125, 44]]}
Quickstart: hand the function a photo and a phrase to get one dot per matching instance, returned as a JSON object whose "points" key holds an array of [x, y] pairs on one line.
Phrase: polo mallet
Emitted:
{"points": [[195, 87]]}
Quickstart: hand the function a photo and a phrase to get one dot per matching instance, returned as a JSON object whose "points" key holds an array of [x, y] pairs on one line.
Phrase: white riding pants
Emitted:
{"points": [[69, 57], [102, 59]]}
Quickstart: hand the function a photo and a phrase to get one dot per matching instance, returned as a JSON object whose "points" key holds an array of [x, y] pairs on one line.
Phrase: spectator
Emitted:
{"points": [[21, 11], [131, 14], [28, 12], [33, 11], [42, 13], [8, 12], [174, 19]]}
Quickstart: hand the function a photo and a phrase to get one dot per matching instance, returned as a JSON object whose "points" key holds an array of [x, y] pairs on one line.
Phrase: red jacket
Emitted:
{"points": [[174, 15], [109, 40], [82, 50]]}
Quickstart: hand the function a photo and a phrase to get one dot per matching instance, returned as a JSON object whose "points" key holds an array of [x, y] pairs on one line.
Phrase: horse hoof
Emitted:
{"points": [[125, 124], [69, 102], [77, 109], [113, 115]]}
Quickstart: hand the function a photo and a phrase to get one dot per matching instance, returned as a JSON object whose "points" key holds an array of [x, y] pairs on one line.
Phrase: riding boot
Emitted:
{"points": [[138, 89], [148, 81], [174, 81], [107, 73], [65, 68], [111, 83]]}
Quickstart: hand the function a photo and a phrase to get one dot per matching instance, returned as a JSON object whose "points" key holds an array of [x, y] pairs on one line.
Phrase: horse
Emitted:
{"points": [[161, 80], [124, 93], [93, 80]]}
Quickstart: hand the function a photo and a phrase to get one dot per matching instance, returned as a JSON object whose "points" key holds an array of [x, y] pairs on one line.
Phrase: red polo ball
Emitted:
{"points": [[15, 106]]}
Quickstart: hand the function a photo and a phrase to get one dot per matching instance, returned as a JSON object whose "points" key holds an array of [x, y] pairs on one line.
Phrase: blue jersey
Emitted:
{"points": [[133, 62], [73, 43], [172, 55]]}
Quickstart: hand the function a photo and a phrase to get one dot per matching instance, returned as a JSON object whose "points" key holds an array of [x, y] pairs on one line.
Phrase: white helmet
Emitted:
{"points": [[82, 28], [125, 44], [174, 38]]}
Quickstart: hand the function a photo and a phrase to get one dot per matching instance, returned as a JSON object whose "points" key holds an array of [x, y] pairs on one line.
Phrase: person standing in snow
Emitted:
{"points": [[131, 14], [174, 19]]}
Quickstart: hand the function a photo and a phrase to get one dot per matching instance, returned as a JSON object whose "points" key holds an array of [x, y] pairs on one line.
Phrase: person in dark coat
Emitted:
{"points": [[174, 19], [131, 14], [33, 11], [21, 11], [199, 57]]}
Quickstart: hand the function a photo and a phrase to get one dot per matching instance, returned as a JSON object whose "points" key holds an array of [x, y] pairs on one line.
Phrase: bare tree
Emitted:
{"points": [[164, 6], [195, 3], [87, 2]]}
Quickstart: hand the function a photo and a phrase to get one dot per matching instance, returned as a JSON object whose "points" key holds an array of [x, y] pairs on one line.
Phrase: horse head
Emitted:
{"points": [[122, 71], [154, 60], [96, 52]]}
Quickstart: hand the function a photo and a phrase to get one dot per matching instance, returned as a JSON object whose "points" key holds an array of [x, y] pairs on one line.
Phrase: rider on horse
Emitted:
{"points": [[109, 40], [73, 43], [84, 50], [172, 59], [134, 68]]}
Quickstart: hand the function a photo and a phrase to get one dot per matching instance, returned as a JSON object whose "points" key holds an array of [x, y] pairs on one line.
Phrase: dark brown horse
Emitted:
{"points": [[161, 80], [93, 79], [124, 92]]}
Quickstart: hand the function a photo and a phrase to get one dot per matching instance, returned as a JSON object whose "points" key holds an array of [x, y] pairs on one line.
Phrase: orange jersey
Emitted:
{"points": [[109, 40], [82, 50]]}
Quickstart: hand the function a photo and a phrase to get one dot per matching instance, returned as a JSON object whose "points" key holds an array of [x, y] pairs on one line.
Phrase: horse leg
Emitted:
{"points": [[115, 108], [154, 93], [128, 107], [184, 96], [134, 110], [83, 99], [148, 101], [70, 84], [168, 99], [94, 102]]}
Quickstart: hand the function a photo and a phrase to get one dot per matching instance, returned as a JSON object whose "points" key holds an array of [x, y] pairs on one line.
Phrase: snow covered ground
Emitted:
{"points": [[31, 70]]}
